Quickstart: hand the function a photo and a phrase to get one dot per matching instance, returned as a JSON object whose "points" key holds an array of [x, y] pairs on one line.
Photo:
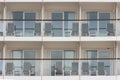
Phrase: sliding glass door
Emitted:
{"points": [[19, 65], [24, 28], [68, 24], [56, 65], [30, 55], [92, 63], [98, 27], [103, 24], [29, 25], [57, 25], [18, 16], [62, 67], [92, 24], [62, 28], [98, 67], [68, 63]]}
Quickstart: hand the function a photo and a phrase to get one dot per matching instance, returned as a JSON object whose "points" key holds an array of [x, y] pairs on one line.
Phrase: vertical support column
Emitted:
{"points": [[42, 22], [42, 52], [79, 61], [117, 22], [4, 22], [4, 54], [116, 44], [116, 61], [80, 14]]}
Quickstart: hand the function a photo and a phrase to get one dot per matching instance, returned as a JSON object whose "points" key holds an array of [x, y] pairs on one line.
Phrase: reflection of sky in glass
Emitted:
{"points": [[30, 24], [68, 54], [1, 63], [92, 24], [99, 54], [102, 25], [18, 15], [67, 16], [57, 25]]}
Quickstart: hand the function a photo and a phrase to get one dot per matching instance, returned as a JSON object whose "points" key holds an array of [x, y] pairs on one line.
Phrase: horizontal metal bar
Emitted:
{"points": [[58, 19], [60, 59]]}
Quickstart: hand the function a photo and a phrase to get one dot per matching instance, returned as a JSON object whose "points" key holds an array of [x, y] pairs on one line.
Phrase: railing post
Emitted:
{"points": [[4, 22], [4, 53]]}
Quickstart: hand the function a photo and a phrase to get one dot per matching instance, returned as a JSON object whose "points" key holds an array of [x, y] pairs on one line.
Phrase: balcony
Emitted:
{"points": [[56, 31], [98, 30], [23, 31], [31, 29], [21, 59]]}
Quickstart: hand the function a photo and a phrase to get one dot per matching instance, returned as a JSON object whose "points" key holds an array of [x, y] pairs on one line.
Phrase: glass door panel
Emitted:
{"points": [[92, 63], [18, 24], [68, 63], [57, 25], [31, 55], [56, 65], [17, 63], [68, 24], [105, 54], [29, 25], [103, 24], [92, 24]]}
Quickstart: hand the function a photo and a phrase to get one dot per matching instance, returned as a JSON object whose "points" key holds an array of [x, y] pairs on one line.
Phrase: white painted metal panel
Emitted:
{"points": [[61, 0], [22, 78], [61, 39], [2, 38], [1, 0], [99, 0], [23, 0], [98, 78], [23, 39], [60, 78], [98, 38]]}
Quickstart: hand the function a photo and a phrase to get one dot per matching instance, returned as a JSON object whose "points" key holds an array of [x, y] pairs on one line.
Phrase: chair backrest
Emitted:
{"points": [[11, 27], [85, 68], [58, 67], [110, 27], [9, 67], [75, 27], [38, 27], [84, 28], [27, 67], [1, 27], [48, 27], [101, 68], [75, 68]]}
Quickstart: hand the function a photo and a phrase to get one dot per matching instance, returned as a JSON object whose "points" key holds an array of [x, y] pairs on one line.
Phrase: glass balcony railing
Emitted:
{"points": [[61, 29], [23, 28], [1, 28], [74, 67], [98, 28], [60, 67], [98, 67], [21, 67]]}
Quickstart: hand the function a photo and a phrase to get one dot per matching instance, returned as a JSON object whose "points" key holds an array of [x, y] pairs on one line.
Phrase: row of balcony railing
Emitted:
{"points": [[106, 67], [59, 28]]}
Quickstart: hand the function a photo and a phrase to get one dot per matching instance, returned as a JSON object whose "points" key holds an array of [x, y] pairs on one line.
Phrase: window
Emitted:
{"points": [[18, 64], [98, 28], [57, 66], [62, 28], [94, 64], [28, 26]]}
